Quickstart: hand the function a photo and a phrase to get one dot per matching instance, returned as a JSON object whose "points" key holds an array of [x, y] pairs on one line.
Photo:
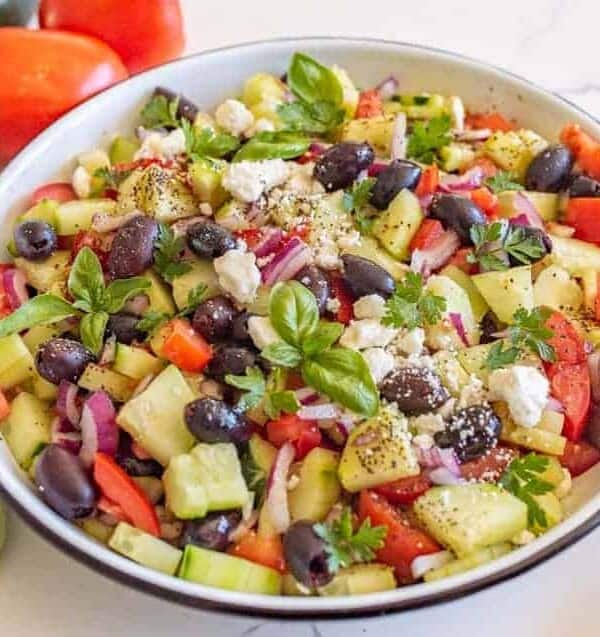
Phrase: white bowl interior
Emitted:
{"points": [[208, 79]]}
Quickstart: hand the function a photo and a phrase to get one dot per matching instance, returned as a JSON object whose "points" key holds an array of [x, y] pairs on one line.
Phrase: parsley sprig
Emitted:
{"points": [[160, 112], [427, 138], [111, 177], [502, 181], [411, 306], [167, 253], [344, 545], [522, 479], [354, 201]]}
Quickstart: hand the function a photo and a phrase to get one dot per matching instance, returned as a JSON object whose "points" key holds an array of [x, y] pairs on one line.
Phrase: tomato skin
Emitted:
{"points": [[490, 466], [488, 167], [404, 491], [585, 148], [485, 199], [265, 550], [583, 213], [44, 74], [570, 384], [369, 104], [460, 261], [429, 181], [92, 240], [428, 233], [58, 191], [305, 435], [184, 347], [403, 542], [567, 343], [494, 121], [340, 292], [143, 33], [579, 456]]}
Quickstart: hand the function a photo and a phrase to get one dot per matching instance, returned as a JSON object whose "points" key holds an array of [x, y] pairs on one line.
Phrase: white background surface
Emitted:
{"points": [[554, 43]]}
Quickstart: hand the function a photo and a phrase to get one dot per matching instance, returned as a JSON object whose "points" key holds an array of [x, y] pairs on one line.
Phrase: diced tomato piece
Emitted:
{"points": [[583, 213], [184, 347], [107, 506], [92, 240], [302, 231], [567, 343], [460, 261], [579, 456], [490, 466], [585, 148], [5, 304], [485, 199], [265, 550], [597, 301], [429, 181], [56, 191], [405, 490], [486, 164], [119, 488], [494, 121], [403, 541], [251, 236], [4, 406], [570, 384], [428, 233], [370, 104], [345, 313], [304, 434], [143, 163]]}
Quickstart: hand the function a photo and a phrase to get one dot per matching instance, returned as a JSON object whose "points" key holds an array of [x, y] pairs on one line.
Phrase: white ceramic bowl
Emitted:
{"points": [[208, 78]]}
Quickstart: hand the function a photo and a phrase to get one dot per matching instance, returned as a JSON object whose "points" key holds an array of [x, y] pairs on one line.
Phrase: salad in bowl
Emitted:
{"points": [[320, 341]]}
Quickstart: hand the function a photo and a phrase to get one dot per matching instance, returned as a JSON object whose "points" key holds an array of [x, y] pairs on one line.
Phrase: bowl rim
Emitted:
{"points": [[219, 601]]}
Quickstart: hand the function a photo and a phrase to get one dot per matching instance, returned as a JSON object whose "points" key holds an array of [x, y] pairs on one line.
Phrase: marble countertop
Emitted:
{"points": [[45, 593]]}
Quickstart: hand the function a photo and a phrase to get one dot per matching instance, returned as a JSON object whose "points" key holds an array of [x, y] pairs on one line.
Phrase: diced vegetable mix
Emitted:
{"points": [[324, 344]]}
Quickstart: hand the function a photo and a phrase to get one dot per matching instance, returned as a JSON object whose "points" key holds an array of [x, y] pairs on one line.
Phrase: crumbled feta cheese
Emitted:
{"points": [[457, 113], [326, 253], [473, 393], [301, 180], [423, 441], [564, 486], [447, 409], [379, 362], [93, 160], [411, 341], [262, 332], [370, 306], [205, 209], [333, 305], [427, 424], [523, 537], [82, 182], [524, 388], [234, 117], [158, 145], [261, 125], [238, 274], [366, 333], [349, 240], [248, 180]]}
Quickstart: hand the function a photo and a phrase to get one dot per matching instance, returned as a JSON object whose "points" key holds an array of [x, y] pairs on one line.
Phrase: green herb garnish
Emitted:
{"points": [[502, 181], [167, 253], [411, 306], [355, 199], [159, 112], [427, 138], [151, 321], [273, 145], [205, 142]]}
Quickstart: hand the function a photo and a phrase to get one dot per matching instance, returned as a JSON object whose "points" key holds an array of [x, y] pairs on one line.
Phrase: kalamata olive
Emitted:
{"points": [[584, 186], [397, 176], [456, 213], [213, 318], [489, 327], [230, 359], [306, 555], [185, 107], [239, 330], [212, 531], [35, 240], [365, 277], [212, 420], [470, 432], [550, 169], [209, 240], [416, 390], [62, 359], [132, 249], [317, 282], [542, 239], [340, 165], [64, 483], [592, 428], [124, 327]]}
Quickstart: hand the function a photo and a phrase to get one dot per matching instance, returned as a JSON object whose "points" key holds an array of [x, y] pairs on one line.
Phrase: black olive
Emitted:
{"points": [[341, 164], [457, 213], [239, 330], [209, 240], [64, 483], [365, 277], [213, 318], [471, 432], [132, 249], [542, 238], [185, 107], [62, 359], [212, 420], [317, 281], [397, 176], [550, 169], [584, 186], [489, 327], [230, 359], [124, 328], [35, 240], [416, 390], [212, 531], [306, 555]]}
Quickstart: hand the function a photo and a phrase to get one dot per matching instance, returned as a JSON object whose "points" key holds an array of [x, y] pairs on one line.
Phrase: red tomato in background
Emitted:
{"points": [[58, 191], [143, 32], [43, 74], [578, 457]]}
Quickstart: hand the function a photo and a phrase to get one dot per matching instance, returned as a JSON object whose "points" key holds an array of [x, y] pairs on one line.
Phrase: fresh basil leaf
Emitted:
{"points": [[311, 81], [119, 291], [273, 145], [343, 375], [282, 354], [206, 142], [317, 118], [325, 336], [43, 309], [92, 327], [293, 311], [151, 321], [86, 281], [276, 402]]}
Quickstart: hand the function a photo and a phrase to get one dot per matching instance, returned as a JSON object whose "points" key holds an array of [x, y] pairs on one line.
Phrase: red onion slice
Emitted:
{"points": [[474, 135], [137, 305], [294, 255], [376, 167], [470, 180], [398, 146], [306, 395], [425, 563], [524, 207], [436, 457], [457, 322], [555, 405], [433, 258], [277, 501], [319, 412], [388, 87], [99, 430], [269, 243], [594, 367], [66, 402], [62, 433], [15, 286], [444, 476]]}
